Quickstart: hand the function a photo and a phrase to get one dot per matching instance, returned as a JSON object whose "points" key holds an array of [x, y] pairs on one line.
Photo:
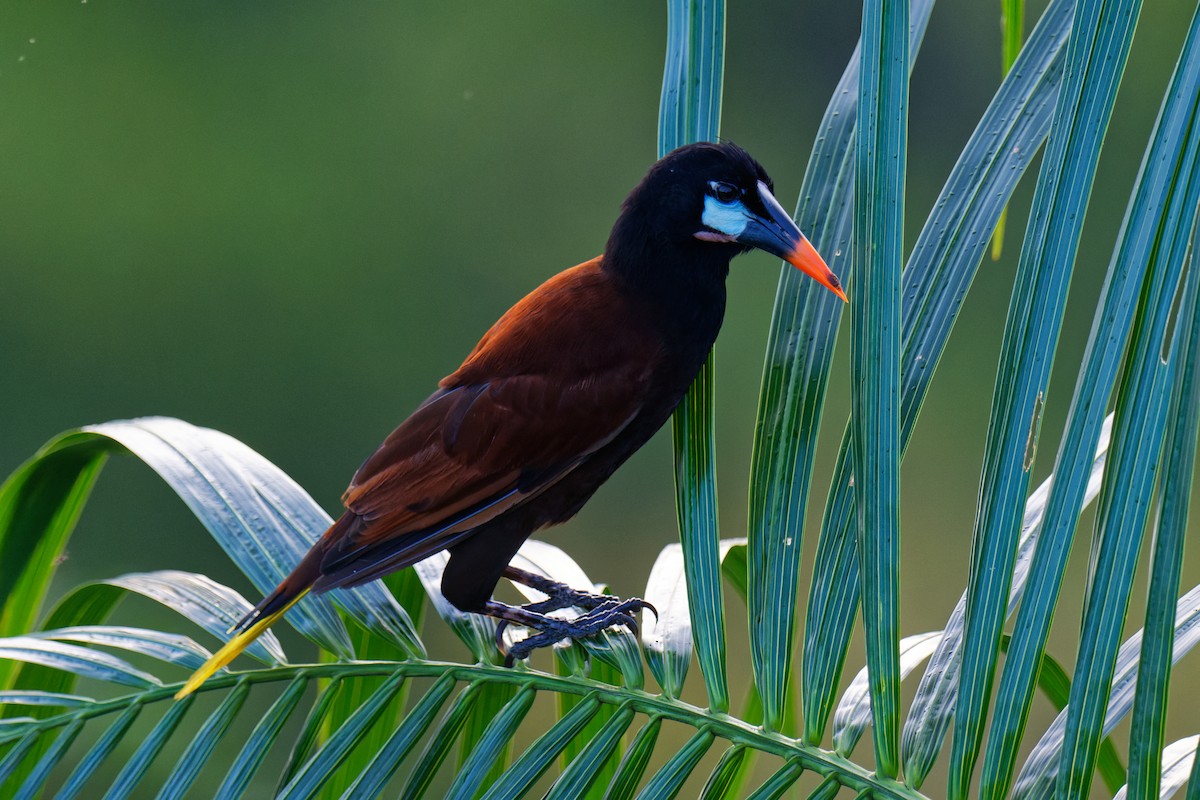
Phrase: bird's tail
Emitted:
{"points": [[289, 591], [235, 646]]}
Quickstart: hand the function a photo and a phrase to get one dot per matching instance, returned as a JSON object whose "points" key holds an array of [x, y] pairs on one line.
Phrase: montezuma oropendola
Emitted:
{"points": [[559, 393]]}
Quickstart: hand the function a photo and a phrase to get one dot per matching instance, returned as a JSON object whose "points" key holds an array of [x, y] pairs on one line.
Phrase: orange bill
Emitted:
{"points": [[805, 258]]}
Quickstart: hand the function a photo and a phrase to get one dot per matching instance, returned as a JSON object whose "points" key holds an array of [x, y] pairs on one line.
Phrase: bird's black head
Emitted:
{"points": [[703, 204]]}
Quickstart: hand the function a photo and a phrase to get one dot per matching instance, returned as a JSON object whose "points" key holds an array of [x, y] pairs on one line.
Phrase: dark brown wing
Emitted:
{"points": [[560, 375]]}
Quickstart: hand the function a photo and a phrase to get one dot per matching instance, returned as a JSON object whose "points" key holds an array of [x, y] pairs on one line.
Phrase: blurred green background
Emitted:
{"points": [[288, 220]]}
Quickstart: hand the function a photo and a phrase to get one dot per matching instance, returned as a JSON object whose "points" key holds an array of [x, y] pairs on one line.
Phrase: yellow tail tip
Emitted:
{"points": [[232, 649]]}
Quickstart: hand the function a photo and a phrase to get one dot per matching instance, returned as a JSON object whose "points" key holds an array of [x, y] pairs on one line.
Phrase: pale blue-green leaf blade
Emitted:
{"points": [[209, 472], [690, 111], [1099, 45], [16, 755], [212, 606], [1174, 768], [35, 781], [311, 731], [853, 713], [667, 782], [1174, 499], [1039, 774], [264, 735], [261, 518], [169, 647], [318, 768], [387, 760], [800, 347], [80, 661], [577, 778], [1174, 494], [1142, 405], [1101, 365], [933, 706], [139, 763], [530, 765], [439, 745], [722, 781], [195, 756], [39, 698], [774, 786], [633, 763], [878, 250], [494, 741], [936, 280], [98, 753]]}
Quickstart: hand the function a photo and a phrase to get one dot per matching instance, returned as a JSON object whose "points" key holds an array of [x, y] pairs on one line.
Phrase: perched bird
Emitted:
{"points": [[559, 393]]}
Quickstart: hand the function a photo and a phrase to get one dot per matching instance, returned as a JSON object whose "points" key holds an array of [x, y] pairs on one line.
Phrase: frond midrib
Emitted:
{"points": [[725, 726]]}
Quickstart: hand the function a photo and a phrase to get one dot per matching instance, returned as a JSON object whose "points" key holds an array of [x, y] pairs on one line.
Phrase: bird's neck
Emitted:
{"points": [[683, 283]]}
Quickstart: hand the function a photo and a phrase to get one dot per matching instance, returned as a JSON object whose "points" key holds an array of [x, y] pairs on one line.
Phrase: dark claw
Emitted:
{"points": [[647, 607], [500, 627], [607, 612]]}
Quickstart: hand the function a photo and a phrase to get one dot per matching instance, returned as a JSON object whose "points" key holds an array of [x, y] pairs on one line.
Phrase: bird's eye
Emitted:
{"points": [[724, 192]]}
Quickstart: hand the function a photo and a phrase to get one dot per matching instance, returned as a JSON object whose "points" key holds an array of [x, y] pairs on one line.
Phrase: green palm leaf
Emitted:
{"points": [[690, 111], [933, 705], [800, 348], [1097, 375], [1174, 769], [1041, 770], [374, 716], [1150, 705], [939, 273], [1031, 331], [880, 166]]}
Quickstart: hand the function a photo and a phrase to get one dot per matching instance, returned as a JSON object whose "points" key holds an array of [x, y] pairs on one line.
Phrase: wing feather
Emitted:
{"points": [[523, 410]]}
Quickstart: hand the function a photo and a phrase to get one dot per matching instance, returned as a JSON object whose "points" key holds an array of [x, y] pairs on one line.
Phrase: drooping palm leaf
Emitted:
{"points": [[356, 740]]}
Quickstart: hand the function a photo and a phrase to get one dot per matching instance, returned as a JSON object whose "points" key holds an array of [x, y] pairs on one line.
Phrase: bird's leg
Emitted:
{"points": [[559, 594], [551, 629]]}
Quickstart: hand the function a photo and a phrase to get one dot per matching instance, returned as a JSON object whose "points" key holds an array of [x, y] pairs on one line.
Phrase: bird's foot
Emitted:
{"points": [[559, 595], [612, 611]]}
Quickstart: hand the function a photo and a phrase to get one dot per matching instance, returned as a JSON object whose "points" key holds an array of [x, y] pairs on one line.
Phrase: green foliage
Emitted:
{"points": [[377, 716], [880, 165], [690, 111]]}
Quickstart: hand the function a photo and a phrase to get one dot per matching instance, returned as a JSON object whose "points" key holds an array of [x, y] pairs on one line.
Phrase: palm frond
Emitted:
{"points": [[933, 706], [881, 158], [1174, 768], [1097, 51], [939, 272], [374, 715], [690, 111], [1097, 375], [1042, 768]]}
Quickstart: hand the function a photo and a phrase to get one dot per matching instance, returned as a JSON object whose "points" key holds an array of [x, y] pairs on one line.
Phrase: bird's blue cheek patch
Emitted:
{"points": [[728, 218]]}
